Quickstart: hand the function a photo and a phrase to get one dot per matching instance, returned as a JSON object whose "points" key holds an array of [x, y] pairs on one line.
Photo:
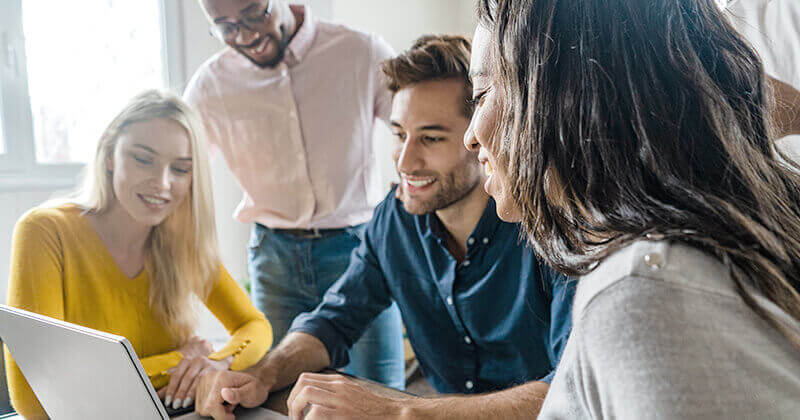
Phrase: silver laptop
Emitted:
{"points": [[81, 373]]}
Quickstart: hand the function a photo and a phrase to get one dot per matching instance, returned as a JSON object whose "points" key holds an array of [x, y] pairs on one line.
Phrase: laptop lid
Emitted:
{"points": [[77, 372]]}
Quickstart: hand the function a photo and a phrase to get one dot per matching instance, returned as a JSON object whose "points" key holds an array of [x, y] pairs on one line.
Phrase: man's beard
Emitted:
{"points": [[280, 46], [453, 188]]}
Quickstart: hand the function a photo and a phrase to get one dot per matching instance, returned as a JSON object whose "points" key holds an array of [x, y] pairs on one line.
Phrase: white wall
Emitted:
{"points": [[12, 206], [400, 22]]}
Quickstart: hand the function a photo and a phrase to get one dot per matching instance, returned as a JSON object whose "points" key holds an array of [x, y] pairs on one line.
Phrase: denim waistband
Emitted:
{"points": [[310, 233]]}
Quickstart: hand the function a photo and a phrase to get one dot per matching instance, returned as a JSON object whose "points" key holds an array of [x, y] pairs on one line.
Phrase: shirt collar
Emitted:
{"points": [[488, 223], [304, 37], [485, 228]]}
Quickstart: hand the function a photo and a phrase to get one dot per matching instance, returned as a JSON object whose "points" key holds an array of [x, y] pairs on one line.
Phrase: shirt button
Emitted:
{"points": [[470, 241], [466, 263], [449, 300], [654, 260], [469, 385], [467, 340], [292, 114], [485, 240]]}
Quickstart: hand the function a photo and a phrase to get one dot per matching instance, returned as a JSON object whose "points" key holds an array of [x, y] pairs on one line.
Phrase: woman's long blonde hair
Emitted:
{"points": [[181, 253]]}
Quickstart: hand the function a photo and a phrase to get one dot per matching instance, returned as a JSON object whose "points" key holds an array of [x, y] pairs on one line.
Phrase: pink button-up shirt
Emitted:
{"points": [[299, 137]]}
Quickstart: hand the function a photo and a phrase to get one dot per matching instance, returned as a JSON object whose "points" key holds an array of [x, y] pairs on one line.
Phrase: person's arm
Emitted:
{"points": [[251, 337], [298, 352], [787, 108], [251, 333], [672, 348], [36, 285], [218, 393], [381, 51], [520, 402], [316, 340], [198, 94], [336, 396], [351, 304]]}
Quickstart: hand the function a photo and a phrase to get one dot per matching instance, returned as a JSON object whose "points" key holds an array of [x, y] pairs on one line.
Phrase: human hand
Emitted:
{"points": [[195, 347], [215, 389], [318, 396], [180, 391]]}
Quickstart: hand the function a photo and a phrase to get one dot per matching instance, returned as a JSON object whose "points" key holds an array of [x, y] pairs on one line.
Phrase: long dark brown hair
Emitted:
{"points": [[623, 118]]}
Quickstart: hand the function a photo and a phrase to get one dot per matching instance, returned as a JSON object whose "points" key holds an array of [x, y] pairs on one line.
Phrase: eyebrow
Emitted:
{"points": [[430, 127], [241, 12], [151, 150], [434, 127]]}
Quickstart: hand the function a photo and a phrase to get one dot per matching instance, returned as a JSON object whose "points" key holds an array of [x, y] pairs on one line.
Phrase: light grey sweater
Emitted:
{"points": [[659, 332]]}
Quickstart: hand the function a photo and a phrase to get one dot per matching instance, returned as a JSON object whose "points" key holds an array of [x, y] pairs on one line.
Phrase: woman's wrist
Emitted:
{"points": [[227, 362]]}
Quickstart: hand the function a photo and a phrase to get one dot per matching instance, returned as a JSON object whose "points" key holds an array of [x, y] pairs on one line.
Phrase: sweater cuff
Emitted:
{"points": [[247, 346]]}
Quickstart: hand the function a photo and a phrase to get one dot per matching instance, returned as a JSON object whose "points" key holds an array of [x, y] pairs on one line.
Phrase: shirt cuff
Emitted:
{"points": [[324, 331]]}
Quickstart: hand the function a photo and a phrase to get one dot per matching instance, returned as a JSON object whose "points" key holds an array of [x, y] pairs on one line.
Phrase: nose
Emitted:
{"points": [[410, 158], [163, 180], [470, 141]]}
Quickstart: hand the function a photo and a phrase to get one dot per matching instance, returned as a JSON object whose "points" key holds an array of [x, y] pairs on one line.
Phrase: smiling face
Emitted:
{"points": [[151, 168], [483, 128], [262, 41], [428, 123]]}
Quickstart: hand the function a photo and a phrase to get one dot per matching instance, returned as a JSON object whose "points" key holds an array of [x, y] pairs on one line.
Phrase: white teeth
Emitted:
{"points": [[152, 200], [419, 183], [260, 47]]}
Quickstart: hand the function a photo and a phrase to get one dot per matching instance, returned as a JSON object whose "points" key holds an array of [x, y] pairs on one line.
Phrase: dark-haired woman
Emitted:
{"points": [[632, 140]]}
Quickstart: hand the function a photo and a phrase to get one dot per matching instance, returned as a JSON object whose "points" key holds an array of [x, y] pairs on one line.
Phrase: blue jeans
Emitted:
{"points": [[289, 275]]}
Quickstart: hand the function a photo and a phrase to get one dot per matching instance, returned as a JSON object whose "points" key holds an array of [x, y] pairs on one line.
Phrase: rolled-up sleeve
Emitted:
{"points": [[350, 304]]}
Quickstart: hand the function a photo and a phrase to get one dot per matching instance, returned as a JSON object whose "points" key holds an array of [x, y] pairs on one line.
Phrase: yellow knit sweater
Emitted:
{"points": [[61, 268]]}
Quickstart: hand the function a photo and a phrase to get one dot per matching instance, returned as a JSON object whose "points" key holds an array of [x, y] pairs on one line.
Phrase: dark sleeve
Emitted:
{"points": [[563, 291], [351, 303]]}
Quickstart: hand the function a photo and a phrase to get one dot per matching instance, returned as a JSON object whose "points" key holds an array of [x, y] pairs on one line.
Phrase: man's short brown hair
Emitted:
{"points": [[432, 57]]}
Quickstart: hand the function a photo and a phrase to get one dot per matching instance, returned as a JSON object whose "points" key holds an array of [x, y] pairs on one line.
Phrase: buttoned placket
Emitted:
{"points": [[454, 271], [300, 152]]}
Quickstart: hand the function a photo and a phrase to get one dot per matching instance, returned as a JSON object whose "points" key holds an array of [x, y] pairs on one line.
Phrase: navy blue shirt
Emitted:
{"points": [[497, 319]]}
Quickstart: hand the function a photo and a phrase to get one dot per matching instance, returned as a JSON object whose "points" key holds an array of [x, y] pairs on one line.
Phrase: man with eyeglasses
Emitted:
{"points": [[291, 105]]}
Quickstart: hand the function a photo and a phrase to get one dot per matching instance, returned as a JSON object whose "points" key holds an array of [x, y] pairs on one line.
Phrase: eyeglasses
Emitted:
{"points": [[228, 30]]}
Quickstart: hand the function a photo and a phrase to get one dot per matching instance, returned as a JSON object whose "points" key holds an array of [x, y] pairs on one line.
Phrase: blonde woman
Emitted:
{"points": [[131, 252]]}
